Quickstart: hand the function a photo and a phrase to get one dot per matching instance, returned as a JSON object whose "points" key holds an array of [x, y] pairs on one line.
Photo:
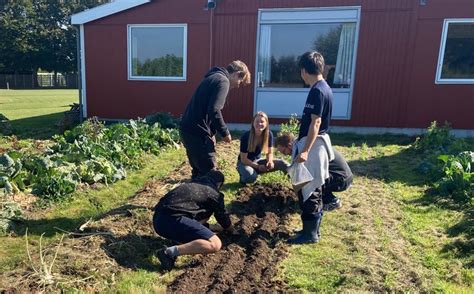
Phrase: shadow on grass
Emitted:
{"points": [[400, 167], [463, 232], [404, 167], [37, 127], [60, 225], [349, 139], [463, 246], [134, 251]]}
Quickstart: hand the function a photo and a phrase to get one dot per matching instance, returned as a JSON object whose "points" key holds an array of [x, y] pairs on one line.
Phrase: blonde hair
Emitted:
{"points": [[241, 68], [253, 142]]}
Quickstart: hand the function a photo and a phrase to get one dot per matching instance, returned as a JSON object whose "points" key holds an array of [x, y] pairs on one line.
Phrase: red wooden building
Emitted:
{"points": [[394, 65]]}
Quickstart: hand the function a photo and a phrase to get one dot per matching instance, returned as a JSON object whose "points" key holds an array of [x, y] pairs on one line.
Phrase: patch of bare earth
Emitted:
{"points": [[249, 260]]}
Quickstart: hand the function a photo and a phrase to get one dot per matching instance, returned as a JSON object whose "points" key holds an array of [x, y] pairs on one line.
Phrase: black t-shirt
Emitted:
{"points": [[244, 144], [319, 102]]}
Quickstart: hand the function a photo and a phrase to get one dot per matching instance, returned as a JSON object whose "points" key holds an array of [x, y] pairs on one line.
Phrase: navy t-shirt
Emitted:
{"points": [[319, 102], [244, 144]]}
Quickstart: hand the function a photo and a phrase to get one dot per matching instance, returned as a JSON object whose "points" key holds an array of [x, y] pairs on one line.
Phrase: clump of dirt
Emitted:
{"points": [[248, 261]]}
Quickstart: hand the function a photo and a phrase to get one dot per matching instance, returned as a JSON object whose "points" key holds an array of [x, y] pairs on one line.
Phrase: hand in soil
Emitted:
{"points": [[216, 228], [262, 168], [232, 231]]}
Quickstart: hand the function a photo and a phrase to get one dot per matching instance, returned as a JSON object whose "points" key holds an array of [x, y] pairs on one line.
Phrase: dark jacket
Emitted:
{"points": [[197, 200], [203, 116]]}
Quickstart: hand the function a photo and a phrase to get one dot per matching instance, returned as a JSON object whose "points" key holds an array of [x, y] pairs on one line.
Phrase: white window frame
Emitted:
{"points": [[444, 36], [312, 15], [131, 77]]}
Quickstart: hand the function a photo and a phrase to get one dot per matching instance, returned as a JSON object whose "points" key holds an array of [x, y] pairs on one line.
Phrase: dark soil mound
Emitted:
{"points": [[248, 261]]}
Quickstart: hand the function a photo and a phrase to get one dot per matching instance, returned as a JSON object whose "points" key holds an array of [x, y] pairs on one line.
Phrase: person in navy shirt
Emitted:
{"points": [[313, 147], [252, 143]]}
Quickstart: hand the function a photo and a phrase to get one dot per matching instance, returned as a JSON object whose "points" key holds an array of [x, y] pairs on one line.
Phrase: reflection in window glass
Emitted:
{"points": [[458, 61], [157, 51], [281, 45]]}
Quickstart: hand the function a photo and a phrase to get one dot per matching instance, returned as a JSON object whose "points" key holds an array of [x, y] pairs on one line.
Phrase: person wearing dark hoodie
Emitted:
{"points": [[202, 118], [182, 215]]}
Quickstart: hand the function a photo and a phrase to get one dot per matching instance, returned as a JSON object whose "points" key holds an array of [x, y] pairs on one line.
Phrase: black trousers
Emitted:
{"points": [[335, 183], [312, 208], [201, 153], [340, 177]]}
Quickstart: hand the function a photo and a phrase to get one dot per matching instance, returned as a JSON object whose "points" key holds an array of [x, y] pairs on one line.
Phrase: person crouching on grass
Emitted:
{"points": [[182, 215], [340, 174], [252, 143]]}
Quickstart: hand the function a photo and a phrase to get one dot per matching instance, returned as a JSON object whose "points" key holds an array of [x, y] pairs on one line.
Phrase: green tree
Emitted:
{"points": [[37, 34], [328, 45]]}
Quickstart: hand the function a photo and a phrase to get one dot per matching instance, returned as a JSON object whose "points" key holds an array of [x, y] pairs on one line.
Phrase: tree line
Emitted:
{"points": [[37, 34]]}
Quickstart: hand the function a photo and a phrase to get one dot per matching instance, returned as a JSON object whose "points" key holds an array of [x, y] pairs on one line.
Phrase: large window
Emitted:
{"points": [[282, 44], [456, 58], [157, 52]]}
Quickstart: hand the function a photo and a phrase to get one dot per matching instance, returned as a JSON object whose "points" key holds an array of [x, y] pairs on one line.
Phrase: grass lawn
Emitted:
{"points": [[34, 113]]}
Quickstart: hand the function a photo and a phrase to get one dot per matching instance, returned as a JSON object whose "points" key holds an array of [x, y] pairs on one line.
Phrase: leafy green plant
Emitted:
{"points": [[292, 126], [90, 153], [9, 212], [11, 175], [435, 139], [458, 176]]}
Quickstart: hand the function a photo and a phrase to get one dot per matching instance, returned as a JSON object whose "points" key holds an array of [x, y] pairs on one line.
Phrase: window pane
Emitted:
{"points": [[458, 62], [281, 45], [157, 51]]}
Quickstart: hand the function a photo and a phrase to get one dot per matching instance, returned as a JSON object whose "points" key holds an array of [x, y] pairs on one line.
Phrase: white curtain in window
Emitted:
{"points": [[264, 54], [343, 72], [134, 54]]}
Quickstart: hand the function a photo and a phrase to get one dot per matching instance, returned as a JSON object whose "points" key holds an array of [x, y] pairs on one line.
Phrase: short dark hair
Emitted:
{"points": [[312, 62], [284, 139]]}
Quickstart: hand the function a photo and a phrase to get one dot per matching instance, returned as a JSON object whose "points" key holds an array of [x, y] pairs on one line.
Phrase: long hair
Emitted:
{"points": [[253, 141]]}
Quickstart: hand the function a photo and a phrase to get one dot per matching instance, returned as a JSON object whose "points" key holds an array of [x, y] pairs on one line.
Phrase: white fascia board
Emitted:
{"points": [[104, 10]]}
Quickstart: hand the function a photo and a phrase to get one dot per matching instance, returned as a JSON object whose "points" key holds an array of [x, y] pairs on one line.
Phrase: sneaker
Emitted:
{"points": [[167, 262], [335, 204]]}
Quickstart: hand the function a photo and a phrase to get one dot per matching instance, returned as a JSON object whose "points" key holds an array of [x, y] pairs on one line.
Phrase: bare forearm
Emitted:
{"points": [[312, 135], [269, 156]]}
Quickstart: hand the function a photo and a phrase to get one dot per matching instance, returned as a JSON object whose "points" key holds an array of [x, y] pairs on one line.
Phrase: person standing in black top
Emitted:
{"points": [[202, 118], [182, 215]]}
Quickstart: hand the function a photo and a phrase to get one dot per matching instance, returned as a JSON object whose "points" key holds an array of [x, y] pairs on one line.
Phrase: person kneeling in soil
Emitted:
{"points": [[182, 215], [340, 174], [252, 143]]}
